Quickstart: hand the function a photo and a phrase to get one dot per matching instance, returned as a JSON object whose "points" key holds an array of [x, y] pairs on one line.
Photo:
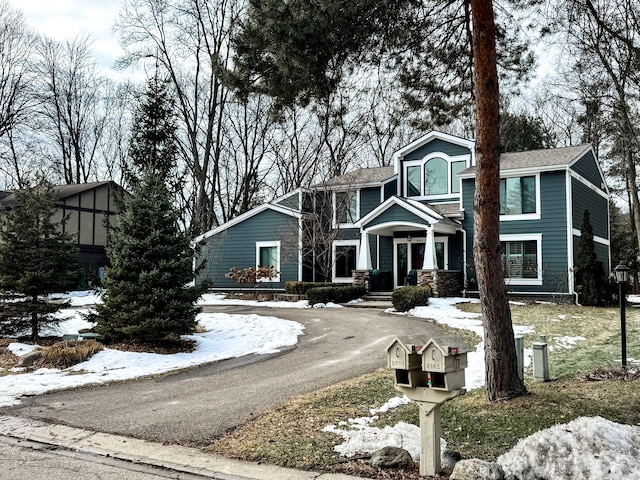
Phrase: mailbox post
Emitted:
{"points": [[430, 373]]}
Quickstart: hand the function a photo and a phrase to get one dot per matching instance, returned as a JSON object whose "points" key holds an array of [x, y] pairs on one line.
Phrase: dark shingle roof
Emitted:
{"points": [[360, 177], [8, 199], [550, 157]]}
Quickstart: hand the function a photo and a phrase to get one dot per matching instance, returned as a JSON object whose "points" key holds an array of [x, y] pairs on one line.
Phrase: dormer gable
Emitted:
{"points": [[428, 168]]}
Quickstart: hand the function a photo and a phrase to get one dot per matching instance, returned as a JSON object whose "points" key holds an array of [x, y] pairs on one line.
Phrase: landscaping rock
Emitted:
{"points": [[474, 469], [391, 457], [29, 359], [449, 459]]}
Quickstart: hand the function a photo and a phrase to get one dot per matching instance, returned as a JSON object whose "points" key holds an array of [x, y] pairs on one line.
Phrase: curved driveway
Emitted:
{"points": [[194, 406]]}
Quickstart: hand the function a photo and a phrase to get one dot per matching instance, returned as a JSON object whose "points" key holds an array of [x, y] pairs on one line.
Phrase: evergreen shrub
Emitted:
{"points": [[334, 294], [406, 298], [301, 288]]}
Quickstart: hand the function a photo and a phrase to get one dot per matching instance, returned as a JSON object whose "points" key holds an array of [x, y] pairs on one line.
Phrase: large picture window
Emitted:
{"points": [[432, 177], [520, 259], [518, 195], [345, 255], [268, 256], [436, 177]]}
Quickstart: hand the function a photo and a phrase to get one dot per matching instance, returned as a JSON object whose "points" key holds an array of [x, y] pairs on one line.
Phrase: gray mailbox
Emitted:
{"points": [[403, 357], [444, 360]]}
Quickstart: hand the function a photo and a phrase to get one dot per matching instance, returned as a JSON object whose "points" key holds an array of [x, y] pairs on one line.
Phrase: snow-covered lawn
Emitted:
{"points": [[587, 448]]}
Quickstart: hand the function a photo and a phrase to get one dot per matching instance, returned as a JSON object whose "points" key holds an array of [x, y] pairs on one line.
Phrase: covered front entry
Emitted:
{"points": [[407, 237]]}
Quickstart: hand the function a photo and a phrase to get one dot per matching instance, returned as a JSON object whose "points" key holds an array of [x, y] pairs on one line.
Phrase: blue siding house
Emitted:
{"points": [[412, 223]]}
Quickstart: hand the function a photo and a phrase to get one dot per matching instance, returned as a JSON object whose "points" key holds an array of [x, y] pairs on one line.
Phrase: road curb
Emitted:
{"points": [[172, 457]]}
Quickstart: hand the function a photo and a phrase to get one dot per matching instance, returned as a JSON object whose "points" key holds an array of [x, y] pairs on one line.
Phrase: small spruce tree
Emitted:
{"points": [[590, 270], [36, 259], [149, 296]]}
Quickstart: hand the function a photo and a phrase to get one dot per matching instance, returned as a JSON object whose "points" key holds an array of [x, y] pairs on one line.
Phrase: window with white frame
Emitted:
{"points": [[435, 175], [268, 257], [345, 257], [518, 195], [346, 207], [522, 258]]}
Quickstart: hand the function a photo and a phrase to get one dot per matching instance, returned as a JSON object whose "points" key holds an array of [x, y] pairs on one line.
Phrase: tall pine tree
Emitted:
{"points": [[36, 259], [148, 293]]}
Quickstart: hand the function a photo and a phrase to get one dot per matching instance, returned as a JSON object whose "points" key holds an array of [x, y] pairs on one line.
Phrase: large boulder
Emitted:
{"points": [[391, 457], [29, 359], [474, 469]]}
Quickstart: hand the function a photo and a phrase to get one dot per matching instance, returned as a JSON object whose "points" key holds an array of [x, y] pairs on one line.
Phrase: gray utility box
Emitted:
{"points": [[437, 363]]}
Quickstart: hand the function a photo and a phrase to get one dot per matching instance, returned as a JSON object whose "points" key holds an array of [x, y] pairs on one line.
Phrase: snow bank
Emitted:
{"points": [[588, 448]]}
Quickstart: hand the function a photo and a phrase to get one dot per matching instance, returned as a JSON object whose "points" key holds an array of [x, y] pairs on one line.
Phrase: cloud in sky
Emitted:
{"points": [[66, 19]]}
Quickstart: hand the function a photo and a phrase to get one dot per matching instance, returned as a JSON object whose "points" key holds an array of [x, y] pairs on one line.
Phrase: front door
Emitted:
{"points": [[410, 256]]}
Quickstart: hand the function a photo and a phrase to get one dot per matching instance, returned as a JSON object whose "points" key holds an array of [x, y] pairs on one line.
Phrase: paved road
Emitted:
{"points": [[24, 459], [195, 406]]}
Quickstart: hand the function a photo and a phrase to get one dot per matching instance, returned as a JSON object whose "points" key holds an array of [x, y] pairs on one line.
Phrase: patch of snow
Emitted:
{"points": [[568, 342], [227, 336], [327, 305], [218, 299], [586, 448]]}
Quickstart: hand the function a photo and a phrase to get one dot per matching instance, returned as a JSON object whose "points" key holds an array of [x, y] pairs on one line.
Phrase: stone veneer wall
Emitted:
{"points": [[444, 283], [361, 278]]}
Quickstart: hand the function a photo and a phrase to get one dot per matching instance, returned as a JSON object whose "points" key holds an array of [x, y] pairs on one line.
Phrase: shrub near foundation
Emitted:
{"points": [[334, 294], [406, 298]]}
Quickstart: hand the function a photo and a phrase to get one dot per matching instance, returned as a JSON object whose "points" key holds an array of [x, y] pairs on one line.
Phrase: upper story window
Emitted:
{"points": [[434, 176], [346, 207], [518, 196]]}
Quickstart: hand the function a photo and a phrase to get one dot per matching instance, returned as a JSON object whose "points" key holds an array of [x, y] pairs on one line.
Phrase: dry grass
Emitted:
{"points": [[586, 383], [67, 354]]}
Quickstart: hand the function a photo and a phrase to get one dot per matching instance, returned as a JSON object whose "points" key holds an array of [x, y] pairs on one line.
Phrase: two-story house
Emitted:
{"points": [[413, 222]]}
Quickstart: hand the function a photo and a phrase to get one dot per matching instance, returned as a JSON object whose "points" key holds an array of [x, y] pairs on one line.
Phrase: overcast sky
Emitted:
{"points": [[65, 19]]}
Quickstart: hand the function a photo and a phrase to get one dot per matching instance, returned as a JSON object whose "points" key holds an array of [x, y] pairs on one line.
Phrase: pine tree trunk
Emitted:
{"points": [[502, 380]]}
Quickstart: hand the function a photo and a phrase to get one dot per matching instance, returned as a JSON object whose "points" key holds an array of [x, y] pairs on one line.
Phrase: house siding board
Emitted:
{"points": [[395, 213], [602, 252], [439, 146], [583, 198], [369, 199], [236, 247], [385, 263], [390, 189], [292, 202], [587, 167], [552, 227], [348, 234]]}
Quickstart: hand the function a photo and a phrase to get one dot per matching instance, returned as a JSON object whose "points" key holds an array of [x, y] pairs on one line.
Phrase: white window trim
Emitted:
{"points": [[260, 245], [525, 216], [334, 209], [342, 243], [444, 240], [523, 238], [421, 163]]}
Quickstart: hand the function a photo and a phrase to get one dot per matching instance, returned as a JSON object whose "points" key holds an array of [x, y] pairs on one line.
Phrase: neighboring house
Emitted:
{"points": [[413, 223], [88, 208]]}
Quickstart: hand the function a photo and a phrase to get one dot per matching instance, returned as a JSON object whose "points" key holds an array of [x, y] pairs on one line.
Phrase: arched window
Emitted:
{"points": [[436, 178]]}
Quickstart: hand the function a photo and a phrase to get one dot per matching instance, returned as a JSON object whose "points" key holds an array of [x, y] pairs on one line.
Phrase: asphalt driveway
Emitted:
{"points": [[194, 406]]}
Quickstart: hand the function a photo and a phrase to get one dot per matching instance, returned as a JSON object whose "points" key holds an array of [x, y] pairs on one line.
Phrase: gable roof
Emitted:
{"points": [[245, 216], [463, 142], [9, 199], [543, 159]]}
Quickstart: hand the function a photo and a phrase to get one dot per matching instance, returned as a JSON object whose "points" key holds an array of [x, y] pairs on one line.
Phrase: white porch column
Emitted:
{"points": [[429, 259], [364, 256]]}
